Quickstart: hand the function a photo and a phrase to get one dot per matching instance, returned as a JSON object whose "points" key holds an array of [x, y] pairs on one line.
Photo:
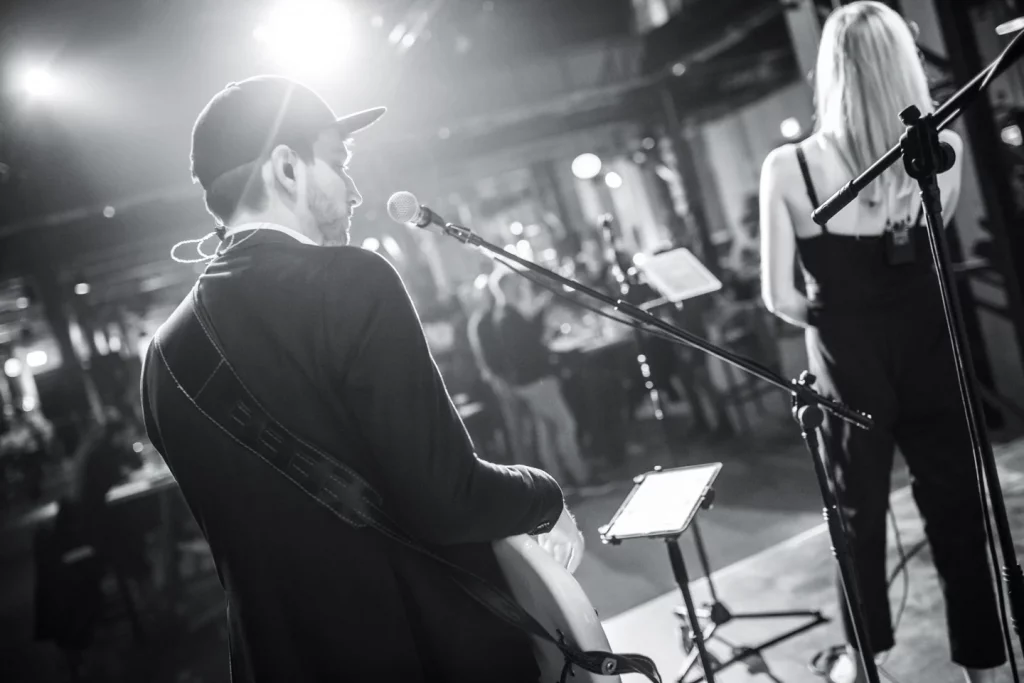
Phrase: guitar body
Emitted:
{"points": [[552, 596]]}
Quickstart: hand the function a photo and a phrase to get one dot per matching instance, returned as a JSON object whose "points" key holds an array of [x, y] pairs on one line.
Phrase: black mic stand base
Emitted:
{"points": [[810, 417]]}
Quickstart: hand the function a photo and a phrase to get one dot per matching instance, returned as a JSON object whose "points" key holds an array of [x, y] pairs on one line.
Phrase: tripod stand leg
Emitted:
{"points": [[810, 417]]}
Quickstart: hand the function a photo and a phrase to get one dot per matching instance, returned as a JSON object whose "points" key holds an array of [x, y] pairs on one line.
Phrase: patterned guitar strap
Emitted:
{"points": [[200, 369]]}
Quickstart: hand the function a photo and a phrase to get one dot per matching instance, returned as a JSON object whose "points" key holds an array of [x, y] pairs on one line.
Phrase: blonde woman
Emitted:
{"points": [[875, 331]]}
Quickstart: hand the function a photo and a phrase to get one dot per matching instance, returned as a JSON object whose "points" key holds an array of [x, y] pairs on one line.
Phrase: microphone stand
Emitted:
{"points": [[924, 157], [807, 411]]}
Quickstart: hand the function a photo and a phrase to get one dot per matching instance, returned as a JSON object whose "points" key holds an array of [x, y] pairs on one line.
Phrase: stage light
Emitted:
{"points": [[613, 180], [678, 69], [22, 302], [390, 245], [82, 288], [36, 359], [1011, 135], [1011, 26], [138, 447], [371, 244], [109, 211], [308, 37], [39, 82], [516, 228], [790, 128], [586, 166], [12, 367], [28, 404]]}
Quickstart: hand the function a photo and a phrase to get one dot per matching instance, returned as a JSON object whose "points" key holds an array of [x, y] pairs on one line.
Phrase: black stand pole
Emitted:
{"points": [[675, 556], [924, 157], [810, 417], [802, 391]]}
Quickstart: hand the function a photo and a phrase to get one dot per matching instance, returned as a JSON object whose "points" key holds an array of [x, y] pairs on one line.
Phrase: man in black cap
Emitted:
{"points": [[329, 343]]}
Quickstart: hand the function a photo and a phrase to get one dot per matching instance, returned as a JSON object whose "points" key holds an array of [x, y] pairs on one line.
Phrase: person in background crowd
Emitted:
{"points": [[514, 350], [876, 331]]}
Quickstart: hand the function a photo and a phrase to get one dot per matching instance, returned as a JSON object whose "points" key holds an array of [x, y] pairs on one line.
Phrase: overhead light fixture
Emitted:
{"points": [[12, 367], [791, 128], [308, 37], [586, 166], [1011, 135], [36, 359], [1011, 26], [39, 82]]}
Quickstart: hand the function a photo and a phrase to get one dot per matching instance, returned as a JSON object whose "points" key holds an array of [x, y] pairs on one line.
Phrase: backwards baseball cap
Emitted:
{"points": [[248, 119]]}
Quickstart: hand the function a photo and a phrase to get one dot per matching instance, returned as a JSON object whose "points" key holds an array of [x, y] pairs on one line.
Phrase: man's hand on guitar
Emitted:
{"points": [[564, 542]]}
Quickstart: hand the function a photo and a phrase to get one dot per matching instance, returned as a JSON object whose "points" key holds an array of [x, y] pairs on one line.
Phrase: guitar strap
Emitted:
{"points": [[200, 369]]}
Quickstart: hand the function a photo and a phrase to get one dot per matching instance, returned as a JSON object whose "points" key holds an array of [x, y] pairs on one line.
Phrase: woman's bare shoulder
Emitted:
{"points": [[780, 164]]}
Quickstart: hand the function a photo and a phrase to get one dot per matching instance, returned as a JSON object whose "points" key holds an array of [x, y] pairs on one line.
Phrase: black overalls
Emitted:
{"points": [[878, 342]]}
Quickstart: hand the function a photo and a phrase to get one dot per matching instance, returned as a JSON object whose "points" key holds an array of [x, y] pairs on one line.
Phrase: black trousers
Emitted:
{"points": [[899, 368]]}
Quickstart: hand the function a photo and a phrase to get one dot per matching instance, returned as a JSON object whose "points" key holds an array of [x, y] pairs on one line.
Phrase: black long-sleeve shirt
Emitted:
{"points": [[513, 347], [328, 340]]}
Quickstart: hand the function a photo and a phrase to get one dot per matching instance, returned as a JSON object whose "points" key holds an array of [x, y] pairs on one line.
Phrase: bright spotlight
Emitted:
{"points": [[36, 359], [306, 36], [790, 128], [613, 180], [82, 288], [12, 367], [371, 244], [39, 82], [586, 166]]}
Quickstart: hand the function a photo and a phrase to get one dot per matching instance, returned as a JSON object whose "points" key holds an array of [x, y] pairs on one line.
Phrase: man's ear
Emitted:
{"points": [[284, 163]]}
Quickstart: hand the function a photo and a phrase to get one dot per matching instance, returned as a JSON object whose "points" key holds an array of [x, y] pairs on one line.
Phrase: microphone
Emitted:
{"points": [[403, 207]]}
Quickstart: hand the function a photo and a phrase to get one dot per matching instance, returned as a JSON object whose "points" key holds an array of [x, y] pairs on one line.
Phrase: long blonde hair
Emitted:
{"points": [[868, 71]]}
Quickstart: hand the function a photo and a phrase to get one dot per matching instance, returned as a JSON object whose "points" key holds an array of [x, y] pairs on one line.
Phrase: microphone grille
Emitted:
{"points": [[403, 207]]}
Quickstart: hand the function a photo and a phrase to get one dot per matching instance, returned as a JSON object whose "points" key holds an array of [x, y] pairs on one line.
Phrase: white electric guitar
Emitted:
{"points": [[552, 596]]}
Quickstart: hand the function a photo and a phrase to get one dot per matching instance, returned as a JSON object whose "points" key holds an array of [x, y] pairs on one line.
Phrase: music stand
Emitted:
{"points": [[663, 505]]}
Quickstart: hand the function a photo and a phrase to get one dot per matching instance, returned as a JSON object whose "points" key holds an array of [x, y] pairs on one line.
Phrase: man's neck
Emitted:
{"points": [[284, 220]]}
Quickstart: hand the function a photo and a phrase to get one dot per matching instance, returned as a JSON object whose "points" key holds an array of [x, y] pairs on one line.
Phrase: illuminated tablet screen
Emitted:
{"points": [[678, 275], [663, 503]]}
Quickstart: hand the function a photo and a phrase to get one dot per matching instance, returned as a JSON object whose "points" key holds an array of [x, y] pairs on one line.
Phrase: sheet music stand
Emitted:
{"points": [[663, 505]]}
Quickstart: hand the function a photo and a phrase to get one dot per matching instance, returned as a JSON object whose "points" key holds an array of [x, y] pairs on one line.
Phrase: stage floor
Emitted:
{"points": [[798, 574]]}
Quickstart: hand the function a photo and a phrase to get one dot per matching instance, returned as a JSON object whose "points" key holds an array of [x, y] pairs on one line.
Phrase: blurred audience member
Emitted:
{"points": [[513, 349]]}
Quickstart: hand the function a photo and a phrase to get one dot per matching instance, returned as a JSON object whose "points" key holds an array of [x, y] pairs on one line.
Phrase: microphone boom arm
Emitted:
{"points": [[680, 336]]}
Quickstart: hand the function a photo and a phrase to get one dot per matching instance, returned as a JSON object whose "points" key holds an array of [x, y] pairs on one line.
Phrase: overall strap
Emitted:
{"points": [[197, 364], [808, 183]]}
